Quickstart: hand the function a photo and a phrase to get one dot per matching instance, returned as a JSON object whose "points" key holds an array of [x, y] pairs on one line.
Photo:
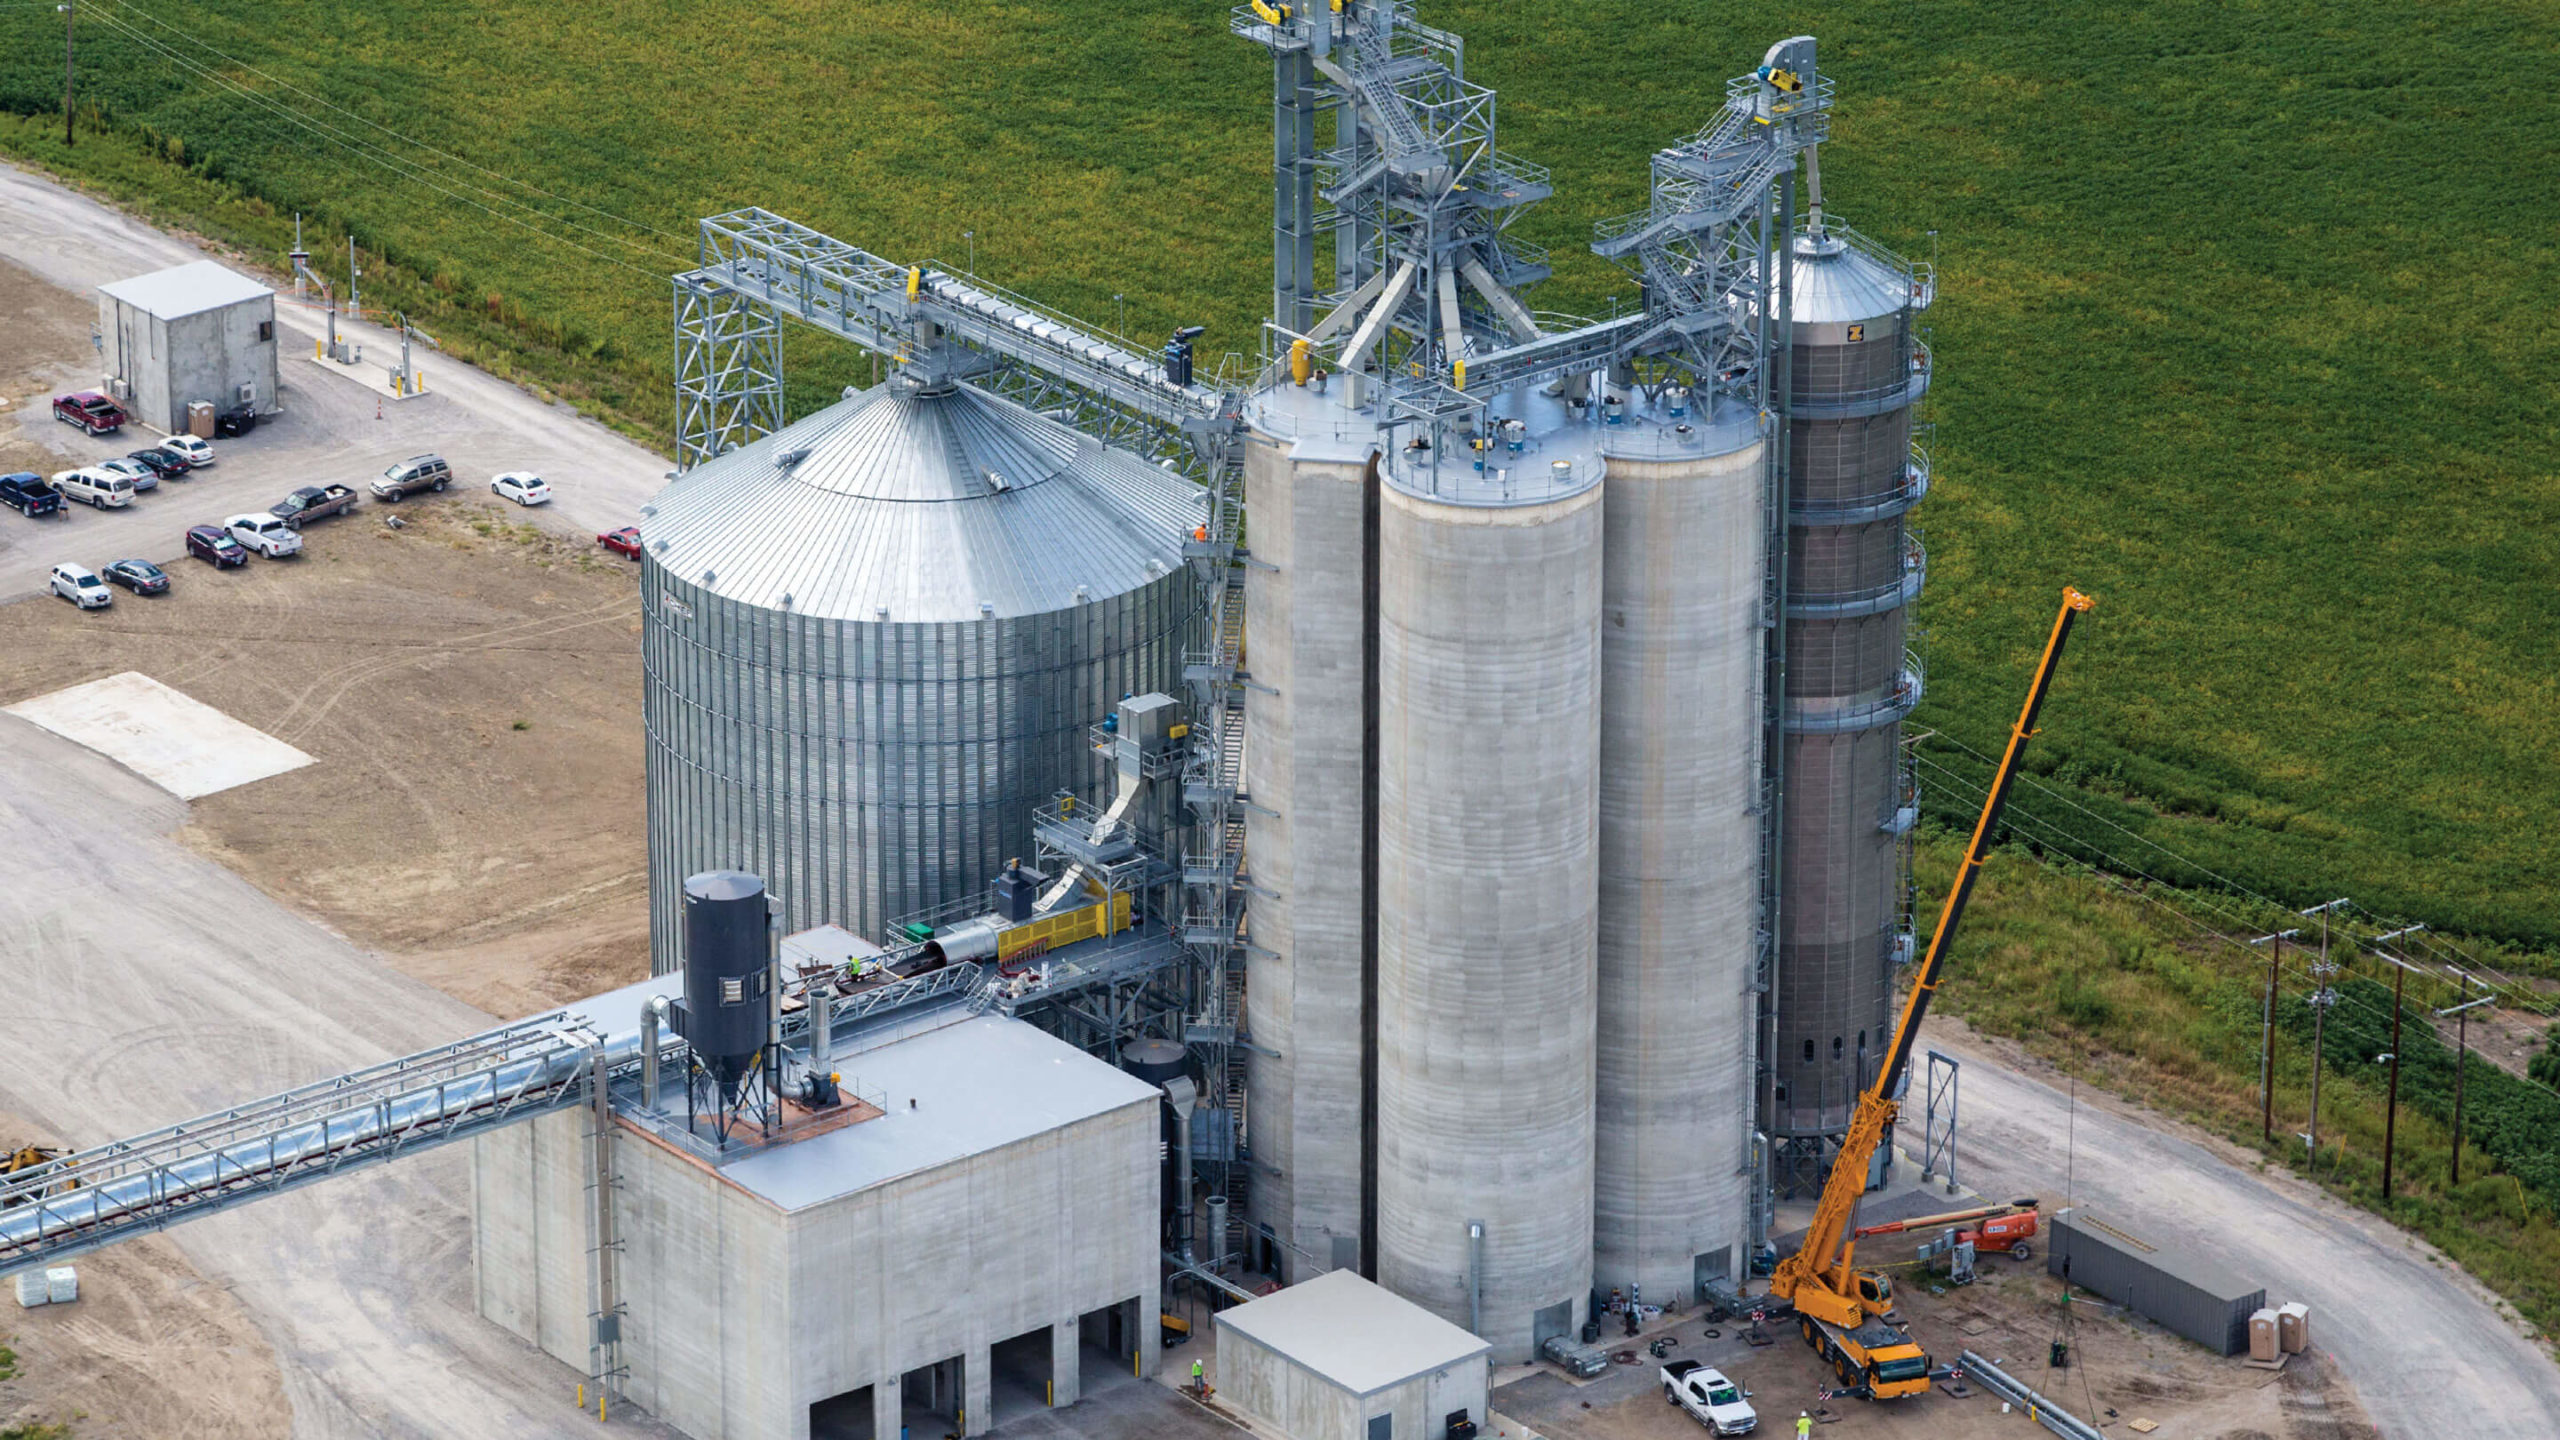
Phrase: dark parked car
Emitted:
{"points": [[214, 545], [167, 464], [239, 420], [89, 410], [314, 502], [624, 542], [139, 576], [29, 494]]}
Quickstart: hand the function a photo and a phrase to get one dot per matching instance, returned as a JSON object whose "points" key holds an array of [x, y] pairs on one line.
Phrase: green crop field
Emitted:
{"points": [[2244, 320]]}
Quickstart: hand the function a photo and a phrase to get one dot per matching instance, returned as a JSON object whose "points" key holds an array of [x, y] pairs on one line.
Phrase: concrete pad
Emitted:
{"points": [[178, 743]]}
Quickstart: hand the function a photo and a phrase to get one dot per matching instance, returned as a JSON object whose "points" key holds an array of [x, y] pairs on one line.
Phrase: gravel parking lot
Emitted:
{"points": [[57, 247]]}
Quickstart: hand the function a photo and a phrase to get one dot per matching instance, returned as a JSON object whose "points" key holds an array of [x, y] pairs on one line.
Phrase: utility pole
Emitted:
{"points": [[66, 76], [2461, 1058], [2322, 997], [2391, 1108], [2267, 1032], [355, 311]]}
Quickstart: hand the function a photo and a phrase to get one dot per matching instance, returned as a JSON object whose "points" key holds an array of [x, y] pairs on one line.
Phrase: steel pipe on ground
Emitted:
{"points": [[2044, 1412]]}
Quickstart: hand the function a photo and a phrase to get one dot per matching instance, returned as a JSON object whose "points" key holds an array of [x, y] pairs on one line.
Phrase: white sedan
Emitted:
{"points": [[195, 452], [523, 487]]}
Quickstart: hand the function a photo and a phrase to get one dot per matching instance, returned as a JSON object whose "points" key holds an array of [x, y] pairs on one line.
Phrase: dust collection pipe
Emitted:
{"points": [[820, 999], [1182, 1095], [654, 1013]]}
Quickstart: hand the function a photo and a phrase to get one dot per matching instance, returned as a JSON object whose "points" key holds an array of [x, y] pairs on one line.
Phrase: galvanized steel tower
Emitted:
{"points": [[1853, 570]]}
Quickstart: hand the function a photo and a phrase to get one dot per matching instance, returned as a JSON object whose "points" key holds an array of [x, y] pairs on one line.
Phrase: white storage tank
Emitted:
{"points": [[1488, 883], [1307, 482], [875, 641], [1681, 647]]}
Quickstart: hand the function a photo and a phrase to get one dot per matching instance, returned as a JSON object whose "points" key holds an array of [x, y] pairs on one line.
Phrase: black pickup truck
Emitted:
{"points": [[27, 493], [314, 502]]}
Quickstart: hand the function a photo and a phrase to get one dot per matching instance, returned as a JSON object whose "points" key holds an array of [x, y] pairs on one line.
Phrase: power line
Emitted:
{"points": [[2504, 980], [2110, 875], [188, 34], [404, 169]]}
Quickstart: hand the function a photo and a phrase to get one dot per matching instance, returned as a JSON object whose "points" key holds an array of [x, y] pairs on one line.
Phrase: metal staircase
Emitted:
{"points": [[1213, 784]]}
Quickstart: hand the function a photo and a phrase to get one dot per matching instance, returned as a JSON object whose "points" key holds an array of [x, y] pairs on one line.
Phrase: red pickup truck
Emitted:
{"points": [[89, 410]]}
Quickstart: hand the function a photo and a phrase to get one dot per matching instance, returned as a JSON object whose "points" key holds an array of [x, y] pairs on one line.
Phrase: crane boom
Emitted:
{"points": [[1820, 1279]]}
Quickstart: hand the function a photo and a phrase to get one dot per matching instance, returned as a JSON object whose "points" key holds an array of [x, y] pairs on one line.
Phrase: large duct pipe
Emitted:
{"points": [[1183, 1096], [2044, 1412], [653, 1015]]}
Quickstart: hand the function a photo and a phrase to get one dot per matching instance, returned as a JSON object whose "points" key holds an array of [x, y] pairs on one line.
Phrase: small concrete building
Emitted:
{"points": [[979, 1230], [1337, 1358], [198, 332]]}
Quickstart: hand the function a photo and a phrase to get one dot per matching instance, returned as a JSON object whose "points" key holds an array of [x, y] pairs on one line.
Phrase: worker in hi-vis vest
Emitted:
{"points": [[1804, 1425]]}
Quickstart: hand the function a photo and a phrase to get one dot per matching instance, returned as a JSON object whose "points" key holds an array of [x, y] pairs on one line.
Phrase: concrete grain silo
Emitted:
{"points": [[1681, 648], [1488, 886], [1852, 574], [1307, 480], [874, 641]]}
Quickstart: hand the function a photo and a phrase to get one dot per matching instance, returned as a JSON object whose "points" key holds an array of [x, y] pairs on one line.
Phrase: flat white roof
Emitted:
{"points": [[980, 1083], [1352, 1333], [186, 290]]}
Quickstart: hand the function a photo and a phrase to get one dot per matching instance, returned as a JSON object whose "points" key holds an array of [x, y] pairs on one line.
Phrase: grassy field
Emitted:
{"points": [[2242, 322]]}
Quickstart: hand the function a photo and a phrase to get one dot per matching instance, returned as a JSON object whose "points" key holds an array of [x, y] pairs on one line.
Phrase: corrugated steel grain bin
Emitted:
{"points": [[1337, 1358], [2153, 1279]]}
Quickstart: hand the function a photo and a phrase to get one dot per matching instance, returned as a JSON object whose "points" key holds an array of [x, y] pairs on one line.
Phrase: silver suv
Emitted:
{"points": [[418, 472]]}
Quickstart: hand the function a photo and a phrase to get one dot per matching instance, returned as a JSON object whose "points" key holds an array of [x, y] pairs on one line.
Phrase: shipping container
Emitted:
{"points": [[2154, 1279]]}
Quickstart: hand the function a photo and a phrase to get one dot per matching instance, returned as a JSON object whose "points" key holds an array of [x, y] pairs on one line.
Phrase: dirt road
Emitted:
{"points": [[2427, 1348], [149, 983]]}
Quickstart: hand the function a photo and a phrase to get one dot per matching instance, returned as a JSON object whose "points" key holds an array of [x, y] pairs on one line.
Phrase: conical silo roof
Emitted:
{"points": [[1836, 282], [920, 505]]}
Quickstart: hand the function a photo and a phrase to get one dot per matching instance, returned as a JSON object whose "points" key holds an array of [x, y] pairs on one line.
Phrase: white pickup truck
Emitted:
{"points": [[1715, 1402]]}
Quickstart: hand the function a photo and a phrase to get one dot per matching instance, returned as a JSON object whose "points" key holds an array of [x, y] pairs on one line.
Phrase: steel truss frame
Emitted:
{"points": [[147, 1182], [728, 371]]}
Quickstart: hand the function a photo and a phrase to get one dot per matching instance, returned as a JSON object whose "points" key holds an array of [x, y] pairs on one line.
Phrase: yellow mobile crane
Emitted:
{"points": [[1841, 1309]]}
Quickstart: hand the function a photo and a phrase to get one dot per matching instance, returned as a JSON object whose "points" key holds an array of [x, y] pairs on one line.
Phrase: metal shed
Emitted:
{"points": [[1337, 1358], [2154, 1279], [196, 332]]}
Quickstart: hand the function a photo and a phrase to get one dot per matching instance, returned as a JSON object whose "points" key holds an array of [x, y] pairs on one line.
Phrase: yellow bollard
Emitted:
{"points": [[582, 1394], [599, 1407], [315, 354]]}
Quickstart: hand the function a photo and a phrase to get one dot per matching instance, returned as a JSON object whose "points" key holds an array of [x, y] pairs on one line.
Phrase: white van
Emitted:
{"points": [[265, 534], [99, 488]]}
